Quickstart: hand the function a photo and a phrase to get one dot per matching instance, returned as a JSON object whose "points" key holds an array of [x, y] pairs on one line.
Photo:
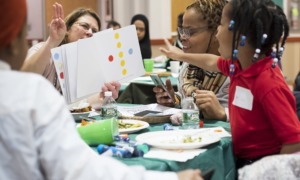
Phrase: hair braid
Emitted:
{"points": [[253, 18], [210, 10]]}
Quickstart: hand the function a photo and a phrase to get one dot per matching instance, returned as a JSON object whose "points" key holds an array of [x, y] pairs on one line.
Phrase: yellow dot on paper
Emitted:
{"points": [[121, 54], [123, 62], [124, 72], [117, 35], [119, 45]]}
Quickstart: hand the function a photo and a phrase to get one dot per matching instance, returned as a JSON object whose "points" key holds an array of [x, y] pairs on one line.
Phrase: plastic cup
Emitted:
{"points": [[99, 132], [175, 67], [148, 64]]}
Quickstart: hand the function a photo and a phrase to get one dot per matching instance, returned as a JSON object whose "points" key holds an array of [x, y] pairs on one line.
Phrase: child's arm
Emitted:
{"points": [[205, 61], [290, 148]]}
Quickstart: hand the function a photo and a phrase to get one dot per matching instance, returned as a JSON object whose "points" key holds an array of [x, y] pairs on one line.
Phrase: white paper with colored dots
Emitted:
{"points": [[110, 55], [71, 70], [58, 60]]}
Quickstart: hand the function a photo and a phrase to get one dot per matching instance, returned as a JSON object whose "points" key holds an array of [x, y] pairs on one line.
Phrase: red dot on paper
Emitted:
{"points": [[110, 58], [61, 75]]}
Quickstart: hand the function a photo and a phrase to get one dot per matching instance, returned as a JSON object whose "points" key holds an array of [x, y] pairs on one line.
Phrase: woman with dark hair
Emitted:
{"points": [[142, 27], [113, 24], [197, 34], [79, 24]]}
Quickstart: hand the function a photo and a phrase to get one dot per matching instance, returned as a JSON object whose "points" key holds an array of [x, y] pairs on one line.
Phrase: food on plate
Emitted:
{"points": [[123, 125], [190, 139], [183, 139], [218, 130], [82, 107], [85, 122]]}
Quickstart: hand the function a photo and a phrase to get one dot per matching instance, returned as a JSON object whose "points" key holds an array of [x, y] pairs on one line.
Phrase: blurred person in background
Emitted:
{"points": [[142, 27], [113, 24]]}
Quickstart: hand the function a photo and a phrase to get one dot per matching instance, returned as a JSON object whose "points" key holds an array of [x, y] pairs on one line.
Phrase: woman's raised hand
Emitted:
{"points": [[57, 27]]}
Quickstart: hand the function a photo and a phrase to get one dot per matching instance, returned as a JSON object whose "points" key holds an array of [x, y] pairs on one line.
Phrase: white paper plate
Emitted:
{"points": [[132, 130], [77, 116], [173, 139]]}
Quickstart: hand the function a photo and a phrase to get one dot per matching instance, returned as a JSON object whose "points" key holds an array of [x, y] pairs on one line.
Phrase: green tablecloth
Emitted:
{"points": [[218, 156]]}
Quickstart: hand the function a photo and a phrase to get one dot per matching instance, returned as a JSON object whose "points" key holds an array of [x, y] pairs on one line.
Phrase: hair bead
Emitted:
{"points": [[280, 52], [256, 54], [234, 55], [263, 38], [275, 61], [231, 69], [243, 39], [273, 53], [231, 25]]}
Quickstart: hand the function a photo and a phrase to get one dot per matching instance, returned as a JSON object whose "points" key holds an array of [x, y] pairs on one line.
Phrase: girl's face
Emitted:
{"points": [[224, 35], [140, 29], [195, 34], [84, 27]]}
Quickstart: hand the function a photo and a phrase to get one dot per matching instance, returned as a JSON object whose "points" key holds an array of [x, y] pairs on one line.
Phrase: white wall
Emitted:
{"points": [[157, 11], [35, 19]]}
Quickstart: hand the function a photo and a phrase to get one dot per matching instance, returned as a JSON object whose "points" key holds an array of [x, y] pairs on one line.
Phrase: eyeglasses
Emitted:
{"points": [[187, 33], [86, 27]]}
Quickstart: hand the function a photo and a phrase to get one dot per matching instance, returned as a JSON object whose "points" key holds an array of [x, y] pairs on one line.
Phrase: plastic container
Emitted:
{"points": [[190, 114], [109, 107]]}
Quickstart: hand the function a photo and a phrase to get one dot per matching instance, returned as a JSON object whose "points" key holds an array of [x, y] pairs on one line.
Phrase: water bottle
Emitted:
{"points": [[190, 114], [109, 107]]}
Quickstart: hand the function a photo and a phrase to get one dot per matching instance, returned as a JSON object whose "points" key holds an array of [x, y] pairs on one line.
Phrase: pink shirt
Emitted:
{"points": [[49, 72]]}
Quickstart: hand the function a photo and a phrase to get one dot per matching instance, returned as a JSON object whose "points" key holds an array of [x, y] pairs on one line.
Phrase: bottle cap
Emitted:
{"points": [[107, 93]]}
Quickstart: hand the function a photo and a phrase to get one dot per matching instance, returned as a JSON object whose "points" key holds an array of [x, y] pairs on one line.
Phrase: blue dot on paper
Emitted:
{"points": [[130, 51], [56, 56]]}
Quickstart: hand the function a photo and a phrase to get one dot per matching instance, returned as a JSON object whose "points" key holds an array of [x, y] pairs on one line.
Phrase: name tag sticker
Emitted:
{"points": [[243, 98]]}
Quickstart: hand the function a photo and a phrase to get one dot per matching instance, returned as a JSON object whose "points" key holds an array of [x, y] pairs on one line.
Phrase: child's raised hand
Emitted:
{"points": [[171, 51]]}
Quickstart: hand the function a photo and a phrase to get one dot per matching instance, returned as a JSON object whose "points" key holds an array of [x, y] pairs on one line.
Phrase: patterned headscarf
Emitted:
{"points": [[12, 19]]}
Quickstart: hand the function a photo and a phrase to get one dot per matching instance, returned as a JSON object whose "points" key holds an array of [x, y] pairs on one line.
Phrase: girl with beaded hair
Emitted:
{"points": [[252, 36], [197, 32]]}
